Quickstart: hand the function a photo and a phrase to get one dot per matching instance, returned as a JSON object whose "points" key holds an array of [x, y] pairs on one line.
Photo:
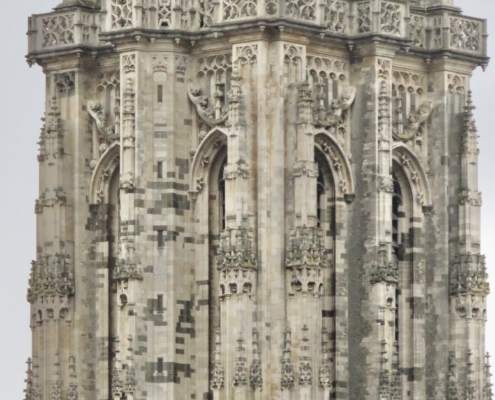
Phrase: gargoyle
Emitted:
{"points": [[414, 122], [331, 118], [96, 111], [211, 117]]}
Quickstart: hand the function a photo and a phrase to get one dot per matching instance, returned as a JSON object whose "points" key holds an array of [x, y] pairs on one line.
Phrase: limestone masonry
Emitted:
{"points": [[258, 199]]}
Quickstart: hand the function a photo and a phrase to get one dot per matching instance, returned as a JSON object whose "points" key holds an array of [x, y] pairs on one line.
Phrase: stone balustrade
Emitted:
{"points": [[435, 29]]}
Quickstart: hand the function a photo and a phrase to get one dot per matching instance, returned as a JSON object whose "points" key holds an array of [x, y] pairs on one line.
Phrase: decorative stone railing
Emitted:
{"points": [[448, 32], [64, 29], [436, 28]]}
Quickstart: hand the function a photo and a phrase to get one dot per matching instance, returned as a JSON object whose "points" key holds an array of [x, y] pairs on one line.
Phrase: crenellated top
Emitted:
{"points": [[437, 30]]}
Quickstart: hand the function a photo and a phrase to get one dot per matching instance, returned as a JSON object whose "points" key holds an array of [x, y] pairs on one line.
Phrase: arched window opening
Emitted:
{"points": [[113, 230], [326, 215], [402, 256], [320, 191], [396, 239], [221, 195], [396, 205], [216, 224]]}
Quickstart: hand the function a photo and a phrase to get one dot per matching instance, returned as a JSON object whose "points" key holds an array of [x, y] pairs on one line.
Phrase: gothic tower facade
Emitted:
{"points": [[258, 199]]}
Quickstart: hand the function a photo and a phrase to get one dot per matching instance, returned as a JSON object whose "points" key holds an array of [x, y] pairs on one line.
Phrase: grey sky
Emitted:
{"points": [[22, 106]]}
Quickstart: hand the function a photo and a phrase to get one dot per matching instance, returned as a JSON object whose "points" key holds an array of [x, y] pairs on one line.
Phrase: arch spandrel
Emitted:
{"points": [[338, 162], [416, 175], [104, 169], [214, 140]]}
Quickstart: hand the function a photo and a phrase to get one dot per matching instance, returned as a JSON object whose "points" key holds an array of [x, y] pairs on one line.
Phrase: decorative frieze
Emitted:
{"points": [[384, 270], [51, 274], [237, 262], [306, 256], [468, 274]]}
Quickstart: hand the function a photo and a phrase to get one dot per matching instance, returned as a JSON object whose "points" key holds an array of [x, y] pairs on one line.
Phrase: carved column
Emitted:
{"points": [[305, 257], [237, 260], [51, 284], [127, 273], [469, 278]]}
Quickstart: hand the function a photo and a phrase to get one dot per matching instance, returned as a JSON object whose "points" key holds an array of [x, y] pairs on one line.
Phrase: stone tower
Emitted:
{"points": [[258, 199]]}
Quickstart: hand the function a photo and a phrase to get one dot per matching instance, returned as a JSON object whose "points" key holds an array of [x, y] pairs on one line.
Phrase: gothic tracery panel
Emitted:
{"points": [[121, 14], [58, 30]]}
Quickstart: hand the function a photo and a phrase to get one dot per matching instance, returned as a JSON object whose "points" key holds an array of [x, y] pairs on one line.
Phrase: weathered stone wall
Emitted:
{"points": [[245, 201]]}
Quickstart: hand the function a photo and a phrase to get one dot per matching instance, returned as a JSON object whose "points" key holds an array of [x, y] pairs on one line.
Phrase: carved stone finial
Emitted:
{"points": [[72, 391], [287, 378], [487, 387], [217, 378], [240, 369], [470, 388], [255, 373], [236, 262]]}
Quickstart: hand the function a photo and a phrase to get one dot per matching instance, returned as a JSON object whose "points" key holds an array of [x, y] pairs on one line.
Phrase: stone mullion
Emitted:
{"points": [[383, 86], [237, 304], [305, 326], [270, 213], [383, 288], [81, 214], [126, 274], [52, 234]]}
